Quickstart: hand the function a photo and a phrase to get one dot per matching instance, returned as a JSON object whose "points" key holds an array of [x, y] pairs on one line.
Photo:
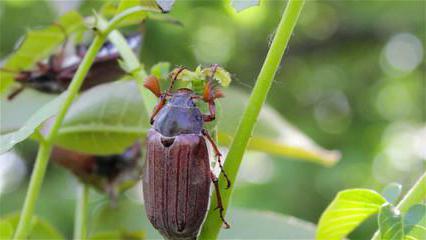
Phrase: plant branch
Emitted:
{"points": [[257, 99], [81, 213], [415, 195], [132, 63], [45, 149]]}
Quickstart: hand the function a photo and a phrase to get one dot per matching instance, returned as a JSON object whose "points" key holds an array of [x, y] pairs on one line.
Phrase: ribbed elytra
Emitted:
{"points": [[177, 174]]}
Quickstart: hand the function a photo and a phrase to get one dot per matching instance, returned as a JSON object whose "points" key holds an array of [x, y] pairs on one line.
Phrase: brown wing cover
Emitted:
{"points": [[176, 184]]}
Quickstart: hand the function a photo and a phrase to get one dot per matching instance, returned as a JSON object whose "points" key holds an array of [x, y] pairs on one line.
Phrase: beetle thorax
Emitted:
{"points": [[179, 116]]}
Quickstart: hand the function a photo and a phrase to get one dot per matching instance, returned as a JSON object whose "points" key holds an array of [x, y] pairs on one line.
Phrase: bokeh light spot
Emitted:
{"points": [[257, 168], [333, 113], [12, 172], [394, 102], [404, 52]]}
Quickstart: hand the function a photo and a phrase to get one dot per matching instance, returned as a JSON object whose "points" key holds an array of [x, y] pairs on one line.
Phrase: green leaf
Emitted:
{"points": [[127, 4], [118, 235], [349, 209], [161, 70], [390, 223], [7, 141], [272, 134], [15, 113], [415, 223], [40, 228], [6, 230], [124, 216], [39, 44], [220, 75], [104, 120], [392, 192], [252, 224]]}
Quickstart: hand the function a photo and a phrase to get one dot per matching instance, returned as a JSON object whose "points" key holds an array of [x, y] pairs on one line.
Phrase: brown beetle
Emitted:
{"points": [[53, 77], [177, 174], [110, 174]]}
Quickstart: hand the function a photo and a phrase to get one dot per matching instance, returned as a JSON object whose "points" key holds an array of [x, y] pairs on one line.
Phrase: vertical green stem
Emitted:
{"points": [[132, 63], [81, 213], [46, 145], [257, 99], [416, 194]]}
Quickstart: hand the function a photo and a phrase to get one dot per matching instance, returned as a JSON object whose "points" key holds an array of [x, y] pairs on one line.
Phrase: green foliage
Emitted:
{"points": [[7, 141], [415, 223], [39, 229], [38, 44], [221, 75], [390, 223], [394, 226], [129, 216], [351, 207], [273, 134], [6, 229], [104, 120], [348, 209], [252, 224], [117, 235], [124, 216]]}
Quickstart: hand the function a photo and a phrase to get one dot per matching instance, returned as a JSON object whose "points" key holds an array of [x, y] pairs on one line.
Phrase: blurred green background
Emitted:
{"points": [[353, 79]]}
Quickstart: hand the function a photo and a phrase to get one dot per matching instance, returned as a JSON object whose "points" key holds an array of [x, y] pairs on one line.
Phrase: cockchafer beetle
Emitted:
{"points": [[111, 174], [54, 76], [177, 174]]}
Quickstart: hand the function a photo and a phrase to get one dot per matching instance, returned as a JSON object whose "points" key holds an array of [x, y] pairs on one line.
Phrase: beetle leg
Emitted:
{"points": [[212, 110], [219, 199], [218, 155]]}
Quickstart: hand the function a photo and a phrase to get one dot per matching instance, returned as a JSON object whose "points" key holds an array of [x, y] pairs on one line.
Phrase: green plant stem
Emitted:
{"points": [[45, 149], [132, 63], [285, 28], [416, 194], [81, 213]]}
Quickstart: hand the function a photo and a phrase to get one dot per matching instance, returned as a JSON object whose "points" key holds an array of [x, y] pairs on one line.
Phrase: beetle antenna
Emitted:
{"points": [[178, 71], [213, 69]]}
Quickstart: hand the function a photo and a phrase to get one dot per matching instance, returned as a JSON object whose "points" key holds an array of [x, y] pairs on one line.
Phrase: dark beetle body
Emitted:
{"points": [[54, 77], [103, 70], [176, 180], [110, 173]]}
